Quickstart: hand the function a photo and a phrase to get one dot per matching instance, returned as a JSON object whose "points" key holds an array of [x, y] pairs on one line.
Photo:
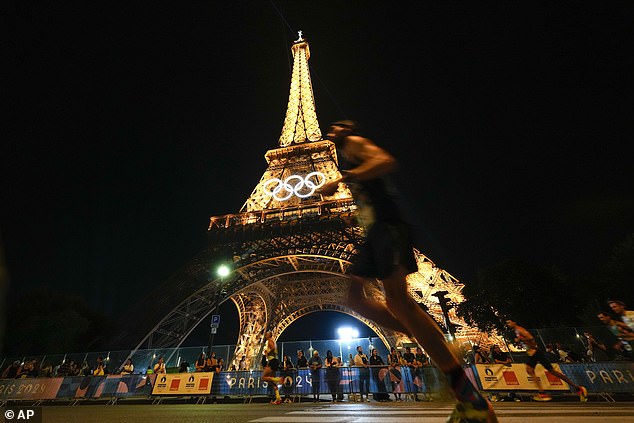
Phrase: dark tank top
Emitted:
{"points": [[377, 199]]}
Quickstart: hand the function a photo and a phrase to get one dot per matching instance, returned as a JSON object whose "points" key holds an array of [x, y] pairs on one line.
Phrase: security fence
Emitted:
{"points": [[572, 340], [187, 356]]}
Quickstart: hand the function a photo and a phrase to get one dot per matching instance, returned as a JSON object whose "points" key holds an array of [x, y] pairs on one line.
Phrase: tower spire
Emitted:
{"points": [[300, 124]]}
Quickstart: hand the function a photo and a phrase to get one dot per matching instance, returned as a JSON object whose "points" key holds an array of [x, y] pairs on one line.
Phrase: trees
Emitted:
{"points": [[543, 296], [44, 321], [536, 296]]}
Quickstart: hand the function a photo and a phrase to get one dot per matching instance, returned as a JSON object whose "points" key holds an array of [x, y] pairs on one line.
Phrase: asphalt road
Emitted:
{"points": [[406, 412]]}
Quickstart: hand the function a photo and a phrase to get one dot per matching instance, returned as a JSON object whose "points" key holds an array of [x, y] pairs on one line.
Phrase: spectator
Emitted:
{"points": [[551, 354], [33, 368], [200, 363], [339, 387], [563, 353], [420, 360], [287, 371], [184, 367], [287, 364], [333, 375], [361, 361], [12, 371], [499, 357], [100, 367], [302, 363], [211, 363], [409, 357], [394, 360], [75, 370], [375, 361], [480, 355], [128, 367], [619, 309], [220, 365], [315, 364], [85, 369], [243, 365], [159, 367], [597, 351], [64, 369], [46, 370]]}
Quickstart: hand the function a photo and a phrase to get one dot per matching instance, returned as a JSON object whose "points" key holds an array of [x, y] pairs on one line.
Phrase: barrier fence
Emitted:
{"points": [[573, 339], [599, 378]]}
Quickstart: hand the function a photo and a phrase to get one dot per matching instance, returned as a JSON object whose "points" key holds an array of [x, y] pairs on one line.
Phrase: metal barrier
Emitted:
{"points": [[599, 378]]}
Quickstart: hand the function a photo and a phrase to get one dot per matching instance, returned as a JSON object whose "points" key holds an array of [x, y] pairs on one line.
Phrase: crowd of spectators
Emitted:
{"points": [[614, 342]]}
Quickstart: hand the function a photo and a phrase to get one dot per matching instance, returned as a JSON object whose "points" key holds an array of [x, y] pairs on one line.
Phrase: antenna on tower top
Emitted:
{"points": [[299, 35]]}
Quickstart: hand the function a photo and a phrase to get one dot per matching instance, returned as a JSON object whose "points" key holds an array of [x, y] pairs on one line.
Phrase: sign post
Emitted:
{"points": [[215, 323]]}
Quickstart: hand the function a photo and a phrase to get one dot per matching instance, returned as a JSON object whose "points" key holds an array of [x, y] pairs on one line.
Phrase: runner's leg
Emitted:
{"points": [[428, 334], [370, 308]]}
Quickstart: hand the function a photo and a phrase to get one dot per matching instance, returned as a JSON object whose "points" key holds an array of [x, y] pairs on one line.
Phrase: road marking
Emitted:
{"points": [[511, 413]]}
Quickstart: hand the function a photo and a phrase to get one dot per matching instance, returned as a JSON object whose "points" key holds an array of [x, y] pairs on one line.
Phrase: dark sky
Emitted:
{"points": [[130, 126]]}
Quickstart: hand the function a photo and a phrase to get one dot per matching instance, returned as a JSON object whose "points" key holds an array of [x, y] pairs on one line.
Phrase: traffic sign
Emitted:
{"points": [[215, 320], [214, 330]]}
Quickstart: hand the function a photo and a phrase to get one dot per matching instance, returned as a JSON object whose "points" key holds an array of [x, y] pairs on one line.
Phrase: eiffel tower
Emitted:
{"points": [[289, 247]]}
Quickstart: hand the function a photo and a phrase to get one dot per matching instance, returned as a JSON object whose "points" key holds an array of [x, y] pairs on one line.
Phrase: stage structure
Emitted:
{"points": [[289, 247]]}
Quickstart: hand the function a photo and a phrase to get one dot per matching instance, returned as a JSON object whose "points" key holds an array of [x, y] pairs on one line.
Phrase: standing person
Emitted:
{"points": [[395, 360], [388, 255], [159, 367], [302, 363], [500, 357], [375, 362], [242, 365], [200, 363], [315, 364], [420, 360], [128, 367], [211, 362], [287, 372], [332, 374], [100, 368], [409, 376], [480, 356], [272, 364], [361, 361], [535, 356]]}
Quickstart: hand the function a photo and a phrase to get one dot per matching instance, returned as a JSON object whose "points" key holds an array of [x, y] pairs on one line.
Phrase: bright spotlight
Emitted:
{"points": [[347, 333], [223, 270]]}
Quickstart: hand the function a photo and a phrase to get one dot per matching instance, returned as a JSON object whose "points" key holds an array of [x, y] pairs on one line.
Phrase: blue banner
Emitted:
{"points": [[613, 376], [105, 386], [343, 380]]}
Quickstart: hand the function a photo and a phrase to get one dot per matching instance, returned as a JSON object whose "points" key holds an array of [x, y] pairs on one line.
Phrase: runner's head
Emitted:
{"points": [[342, 128]]}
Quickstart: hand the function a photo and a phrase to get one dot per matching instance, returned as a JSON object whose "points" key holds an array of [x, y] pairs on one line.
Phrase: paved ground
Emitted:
{"points": [[434, 412]]}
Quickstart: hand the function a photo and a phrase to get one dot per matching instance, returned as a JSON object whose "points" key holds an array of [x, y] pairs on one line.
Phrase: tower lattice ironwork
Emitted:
{"points": [[289, 246]]}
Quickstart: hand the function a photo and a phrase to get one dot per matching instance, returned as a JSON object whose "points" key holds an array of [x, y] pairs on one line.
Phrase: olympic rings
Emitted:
{"points": [[302, 187]]}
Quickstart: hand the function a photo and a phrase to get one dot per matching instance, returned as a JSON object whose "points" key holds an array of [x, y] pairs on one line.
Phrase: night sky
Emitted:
{"points": [[129, 127]]}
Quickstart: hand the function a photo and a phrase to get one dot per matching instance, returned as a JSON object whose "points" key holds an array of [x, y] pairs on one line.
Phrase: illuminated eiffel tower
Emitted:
{"points": [[288, 247]]}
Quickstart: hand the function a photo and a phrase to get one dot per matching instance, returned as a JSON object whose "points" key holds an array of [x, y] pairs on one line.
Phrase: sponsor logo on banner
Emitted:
{"points": [[514, 377], [183, 384]]}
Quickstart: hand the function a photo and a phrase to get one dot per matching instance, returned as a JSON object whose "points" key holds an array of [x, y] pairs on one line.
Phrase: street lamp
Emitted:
{"points": [[346, 334], [223, 271]]}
